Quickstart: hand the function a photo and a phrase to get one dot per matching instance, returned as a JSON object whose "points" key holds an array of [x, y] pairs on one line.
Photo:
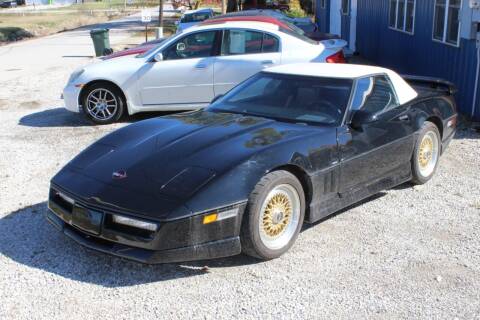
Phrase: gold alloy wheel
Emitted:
{"points": [[277, 215], [428, 153], [425, 151]]}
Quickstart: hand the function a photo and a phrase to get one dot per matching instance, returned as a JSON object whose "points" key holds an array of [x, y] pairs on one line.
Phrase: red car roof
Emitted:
{"points": [[265, 19]]}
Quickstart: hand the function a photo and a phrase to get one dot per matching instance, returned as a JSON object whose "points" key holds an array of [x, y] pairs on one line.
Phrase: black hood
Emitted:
{"points": [[174, 156]]}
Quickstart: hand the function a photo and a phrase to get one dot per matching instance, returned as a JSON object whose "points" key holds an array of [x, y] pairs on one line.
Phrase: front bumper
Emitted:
{"points": [[71, 95], [179, 240]]}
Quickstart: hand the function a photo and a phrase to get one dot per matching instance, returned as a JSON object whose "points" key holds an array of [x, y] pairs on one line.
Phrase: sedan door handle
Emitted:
{"points": [[201, 66], [404, 118], [267, 62]]}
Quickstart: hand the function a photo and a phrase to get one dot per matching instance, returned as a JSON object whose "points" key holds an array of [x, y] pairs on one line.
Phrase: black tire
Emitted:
{"points": [[417, 176], [113, 93], [251, 240]]}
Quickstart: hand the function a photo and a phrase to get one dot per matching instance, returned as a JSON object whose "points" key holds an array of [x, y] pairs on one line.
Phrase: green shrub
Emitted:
{"points": [[8, 34]]}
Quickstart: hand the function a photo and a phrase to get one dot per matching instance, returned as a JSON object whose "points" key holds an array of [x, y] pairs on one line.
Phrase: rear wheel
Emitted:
{"points": [[103, 103], [426, 153], [274, 216]]}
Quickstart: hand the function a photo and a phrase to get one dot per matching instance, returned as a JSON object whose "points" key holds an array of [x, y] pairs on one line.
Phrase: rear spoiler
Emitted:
{"points": [[334, 43], [431, 83]]}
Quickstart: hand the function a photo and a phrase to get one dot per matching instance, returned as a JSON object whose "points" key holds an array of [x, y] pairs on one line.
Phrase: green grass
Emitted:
{"points": [[112, 4], [45, 23]]}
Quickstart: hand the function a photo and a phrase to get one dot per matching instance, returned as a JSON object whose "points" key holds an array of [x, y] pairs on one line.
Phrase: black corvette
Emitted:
{"points": [[290, 144]]}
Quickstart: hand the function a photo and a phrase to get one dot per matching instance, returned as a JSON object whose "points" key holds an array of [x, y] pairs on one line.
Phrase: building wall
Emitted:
{"points": [[417, 54]]}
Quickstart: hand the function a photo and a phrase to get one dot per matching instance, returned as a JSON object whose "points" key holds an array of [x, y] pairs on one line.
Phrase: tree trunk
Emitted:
{"points": [[224, 6], [160, 13]]}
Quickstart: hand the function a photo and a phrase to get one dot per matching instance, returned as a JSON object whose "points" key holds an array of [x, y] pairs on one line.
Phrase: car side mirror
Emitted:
{"points": [[158, 57], [361, 117], [216, 98]]}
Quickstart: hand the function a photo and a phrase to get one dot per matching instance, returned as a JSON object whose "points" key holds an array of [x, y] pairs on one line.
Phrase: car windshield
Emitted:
{"points": [[195, 17], [290, 98]]}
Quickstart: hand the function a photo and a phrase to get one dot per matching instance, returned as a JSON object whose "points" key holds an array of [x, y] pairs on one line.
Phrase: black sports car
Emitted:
{"points": [[292, 143]]}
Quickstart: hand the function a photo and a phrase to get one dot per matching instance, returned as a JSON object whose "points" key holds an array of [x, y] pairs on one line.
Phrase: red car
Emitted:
{"points": [[285, 25]]}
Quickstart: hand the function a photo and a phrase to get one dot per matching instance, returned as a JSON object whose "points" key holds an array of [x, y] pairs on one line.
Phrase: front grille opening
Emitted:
{"points": [[60, 201], [128, 230]]}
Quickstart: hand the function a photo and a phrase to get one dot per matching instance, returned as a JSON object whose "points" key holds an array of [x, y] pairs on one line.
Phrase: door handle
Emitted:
{"points": [[267, 62], [404, 118], [201, 66]]}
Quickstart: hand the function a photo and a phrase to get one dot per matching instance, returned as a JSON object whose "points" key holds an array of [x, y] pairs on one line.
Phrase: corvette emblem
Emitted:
{"points": [[121, 174]]}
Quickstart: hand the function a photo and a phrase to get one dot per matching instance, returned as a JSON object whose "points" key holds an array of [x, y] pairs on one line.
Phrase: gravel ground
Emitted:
{"points": [[411, 252]]}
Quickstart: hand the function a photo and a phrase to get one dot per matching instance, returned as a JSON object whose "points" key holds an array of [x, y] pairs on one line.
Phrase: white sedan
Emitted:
{"points": [[188, 70]]}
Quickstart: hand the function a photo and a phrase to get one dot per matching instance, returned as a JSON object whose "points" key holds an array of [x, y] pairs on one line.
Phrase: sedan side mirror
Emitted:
{"points": [[216, 98], [361, 117], [158, 57]]}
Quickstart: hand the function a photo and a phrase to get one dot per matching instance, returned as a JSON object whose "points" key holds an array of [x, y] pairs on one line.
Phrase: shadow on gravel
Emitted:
{"points": [[61, 117], [27, 238], [57, 117]]}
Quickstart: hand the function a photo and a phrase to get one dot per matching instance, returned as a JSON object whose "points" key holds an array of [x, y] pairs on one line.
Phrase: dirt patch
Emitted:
{"points": [[3, 104], [29, 105]]}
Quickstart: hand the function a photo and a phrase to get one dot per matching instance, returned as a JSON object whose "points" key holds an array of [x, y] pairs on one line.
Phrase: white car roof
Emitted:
{"points": [[261, 26], [404, 91]]}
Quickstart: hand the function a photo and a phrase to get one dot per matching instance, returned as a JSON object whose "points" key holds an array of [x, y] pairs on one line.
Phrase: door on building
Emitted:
{"points": [[343, 16], [335, 17]]}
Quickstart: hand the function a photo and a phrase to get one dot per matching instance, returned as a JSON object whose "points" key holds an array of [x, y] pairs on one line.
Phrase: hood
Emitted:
{"points": [[176, 155]]}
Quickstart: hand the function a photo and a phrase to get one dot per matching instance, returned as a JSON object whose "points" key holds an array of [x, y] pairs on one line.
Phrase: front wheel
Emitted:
{"points": [[274, 216], [426, 153], [103, 103]]}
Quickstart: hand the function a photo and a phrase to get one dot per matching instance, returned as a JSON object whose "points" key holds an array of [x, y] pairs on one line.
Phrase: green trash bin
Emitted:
{"points": [[101, 41]]}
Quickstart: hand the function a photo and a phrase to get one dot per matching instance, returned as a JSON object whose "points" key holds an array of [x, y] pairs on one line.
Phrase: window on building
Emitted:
{"points": [[345, 7], [446, 21], [402, 15]]}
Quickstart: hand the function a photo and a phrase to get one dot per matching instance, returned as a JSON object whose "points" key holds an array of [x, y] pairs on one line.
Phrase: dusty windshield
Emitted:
{"points": [[289, 97]]}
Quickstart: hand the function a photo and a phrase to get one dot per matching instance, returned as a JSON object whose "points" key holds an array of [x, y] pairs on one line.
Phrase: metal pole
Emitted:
{"points": [[146, 34]]}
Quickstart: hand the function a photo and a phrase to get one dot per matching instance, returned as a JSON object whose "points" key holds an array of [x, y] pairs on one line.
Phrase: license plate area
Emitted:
{"points": [[87, 220]]}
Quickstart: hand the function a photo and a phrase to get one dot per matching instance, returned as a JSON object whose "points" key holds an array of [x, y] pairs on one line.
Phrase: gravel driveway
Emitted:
{"points": [[411, 252]]}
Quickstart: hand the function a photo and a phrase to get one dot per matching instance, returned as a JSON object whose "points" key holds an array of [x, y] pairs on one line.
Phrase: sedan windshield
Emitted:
{"points": [[291, 98]]}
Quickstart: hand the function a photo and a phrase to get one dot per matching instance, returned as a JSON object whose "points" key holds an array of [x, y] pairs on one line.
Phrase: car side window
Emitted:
{"points": [[247, 42], [270, 43], [374, 94], [196, 45]]}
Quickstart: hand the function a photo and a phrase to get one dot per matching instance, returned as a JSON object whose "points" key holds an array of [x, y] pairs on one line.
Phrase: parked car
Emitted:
{"points": [[282, 5], [191, 18], [144, 47], [318, 36], [305, 23], [187, 70], [293, 143], [8, 3]]}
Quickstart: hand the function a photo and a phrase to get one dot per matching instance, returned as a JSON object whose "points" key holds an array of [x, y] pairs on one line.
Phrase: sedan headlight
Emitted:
{"points": [[140, 224], [74, 76]]}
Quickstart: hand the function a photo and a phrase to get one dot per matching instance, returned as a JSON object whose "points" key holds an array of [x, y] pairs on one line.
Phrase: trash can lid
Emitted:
{"points": [[95, 31]]}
